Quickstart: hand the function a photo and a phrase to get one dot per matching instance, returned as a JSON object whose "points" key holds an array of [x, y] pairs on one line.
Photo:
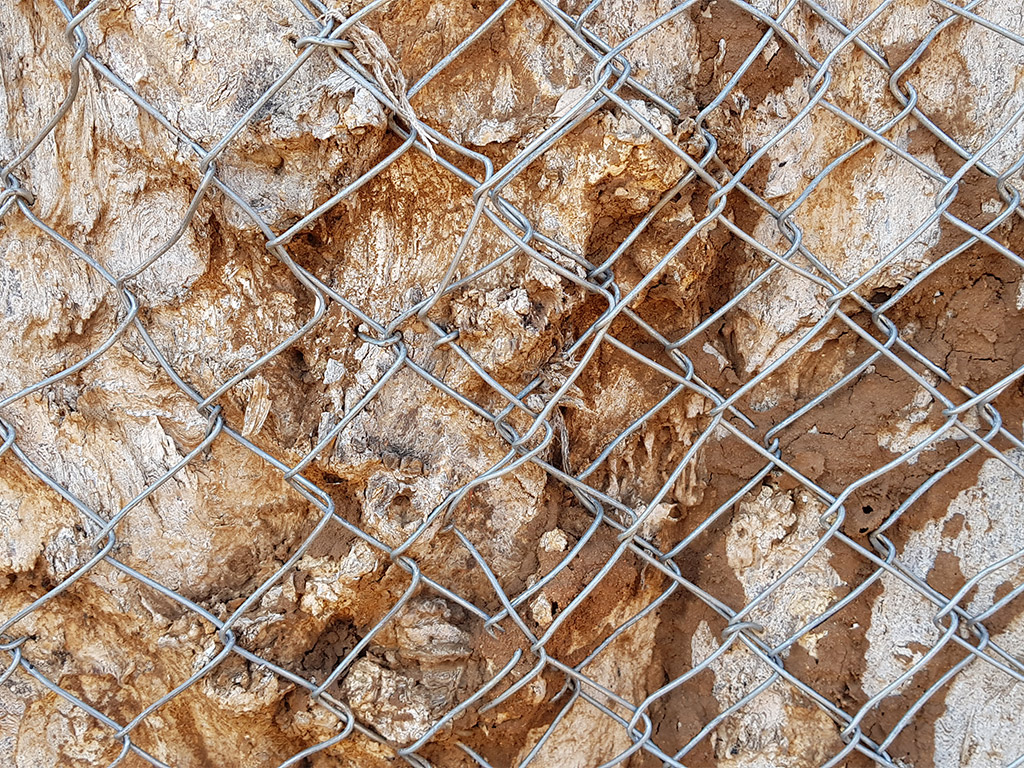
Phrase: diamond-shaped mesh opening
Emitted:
{"points": [[88, 738], [494, 72], [85, 664], [1003, 48], [974, 352], [64, 291]]}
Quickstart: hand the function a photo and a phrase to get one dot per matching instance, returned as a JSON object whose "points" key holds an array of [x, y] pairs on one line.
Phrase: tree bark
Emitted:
{"points": [[154, 399]]}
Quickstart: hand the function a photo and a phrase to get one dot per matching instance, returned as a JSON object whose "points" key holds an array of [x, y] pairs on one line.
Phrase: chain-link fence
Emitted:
{"points": [[698, 426]]}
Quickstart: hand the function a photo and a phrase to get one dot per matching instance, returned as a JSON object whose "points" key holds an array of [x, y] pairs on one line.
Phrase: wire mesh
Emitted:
{"points": [[756, 640]]}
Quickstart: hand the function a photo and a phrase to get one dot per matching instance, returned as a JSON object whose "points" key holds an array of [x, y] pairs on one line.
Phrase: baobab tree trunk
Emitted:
{"points": [[419, 379]]}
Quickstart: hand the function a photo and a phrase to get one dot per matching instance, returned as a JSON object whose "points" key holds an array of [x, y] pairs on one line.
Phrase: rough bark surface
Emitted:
{"points": [[731, 650]]}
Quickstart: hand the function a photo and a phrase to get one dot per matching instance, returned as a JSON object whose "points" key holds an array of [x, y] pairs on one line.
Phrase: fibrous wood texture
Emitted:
{"points": [[472, 383]]}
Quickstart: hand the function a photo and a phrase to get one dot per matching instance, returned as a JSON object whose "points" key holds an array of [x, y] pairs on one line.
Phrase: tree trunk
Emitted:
{"points": [[491, 383]]}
